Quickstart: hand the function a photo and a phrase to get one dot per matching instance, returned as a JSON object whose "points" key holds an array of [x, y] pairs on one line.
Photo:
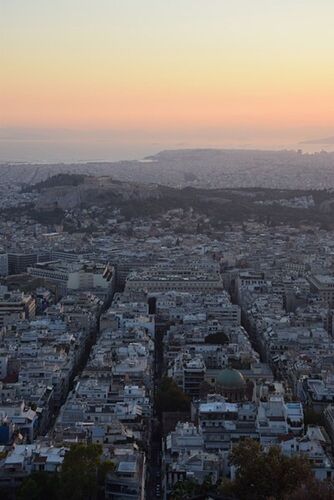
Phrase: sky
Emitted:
{"points": [[104, 79]]}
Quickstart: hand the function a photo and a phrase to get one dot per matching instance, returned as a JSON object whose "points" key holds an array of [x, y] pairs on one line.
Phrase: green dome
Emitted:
{"points": [[231, 379]]}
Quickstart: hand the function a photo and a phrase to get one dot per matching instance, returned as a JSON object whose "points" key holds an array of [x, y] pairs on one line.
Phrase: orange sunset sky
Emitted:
{"points": [[208, 72]]}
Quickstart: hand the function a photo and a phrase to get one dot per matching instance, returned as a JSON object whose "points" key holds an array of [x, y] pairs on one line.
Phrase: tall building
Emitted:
{"points": [[16, 303], [324, 286], [3, 264], [19, 262]]}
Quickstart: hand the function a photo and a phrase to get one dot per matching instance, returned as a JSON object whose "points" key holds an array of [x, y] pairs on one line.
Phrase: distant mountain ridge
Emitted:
{"points": [[326, 140]]}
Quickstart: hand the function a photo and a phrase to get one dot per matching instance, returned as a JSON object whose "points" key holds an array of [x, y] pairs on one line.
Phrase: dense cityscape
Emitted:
{"points": [[157, 345], [166, 250]]}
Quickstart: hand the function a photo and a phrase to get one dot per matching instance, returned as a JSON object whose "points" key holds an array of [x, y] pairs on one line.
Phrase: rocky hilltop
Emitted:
{"points": [[88, 191], [65, 192]]}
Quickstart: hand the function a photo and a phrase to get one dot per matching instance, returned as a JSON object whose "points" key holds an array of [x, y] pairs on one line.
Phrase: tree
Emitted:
{"points": [[79, 475], [262, 475], [29, 490], [219, 338], [184, 489], [311, 417], [189, 488], [170, 397], [40, 485], [313, 490], [104, 469], [82, 477]]}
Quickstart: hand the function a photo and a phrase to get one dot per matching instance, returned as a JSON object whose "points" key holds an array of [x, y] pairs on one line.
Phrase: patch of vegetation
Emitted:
{"points": [[311, 417], [189, 488], [47, 217], [170, 397], [57, 180], [82, 477], [219, 338], [261, 475]]}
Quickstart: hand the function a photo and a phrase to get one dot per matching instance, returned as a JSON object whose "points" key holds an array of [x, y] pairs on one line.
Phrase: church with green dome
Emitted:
{"points": [[231, 384]]}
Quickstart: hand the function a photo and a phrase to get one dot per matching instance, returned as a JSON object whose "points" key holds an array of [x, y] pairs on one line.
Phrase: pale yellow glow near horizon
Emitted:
{"points": [[151, 63]]}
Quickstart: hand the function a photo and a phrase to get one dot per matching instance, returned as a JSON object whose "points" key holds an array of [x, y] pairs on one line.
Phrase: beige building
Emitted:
{"points": [[324, 286], [191, 281]]}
